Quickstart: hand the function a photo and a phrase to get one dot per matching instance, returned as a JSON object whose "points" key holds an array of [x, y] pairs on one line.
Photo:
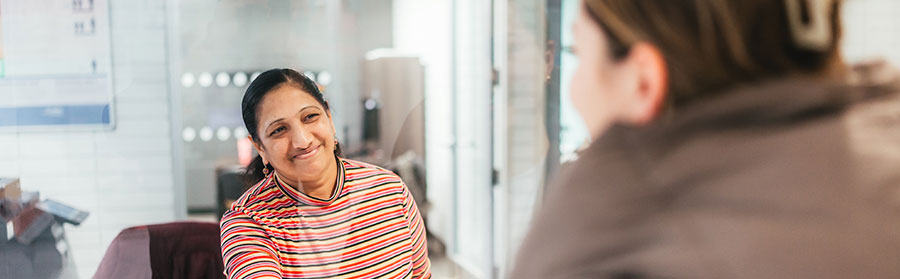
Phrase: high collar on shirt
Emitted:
{"points": [[305, 199]]}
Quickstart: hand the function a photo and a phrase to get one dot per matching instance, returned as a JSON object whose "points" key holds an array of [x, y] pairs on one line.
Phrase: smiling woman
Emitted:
{"points": [[310, 212]]}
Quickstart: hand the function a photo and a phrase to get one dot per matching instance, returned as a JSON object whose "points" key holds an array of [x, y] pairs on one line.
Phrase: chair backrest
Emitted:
{"points": [[186, 250], [170, 250], [128, 256]]}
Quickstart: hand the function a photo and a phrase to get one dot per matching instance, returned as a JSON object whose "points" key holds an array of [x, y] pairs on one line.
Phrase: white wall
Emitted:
{"points": [[475, 221], [522, 135], [423, 28], [520, 144], [123, 177], [870, 30]]}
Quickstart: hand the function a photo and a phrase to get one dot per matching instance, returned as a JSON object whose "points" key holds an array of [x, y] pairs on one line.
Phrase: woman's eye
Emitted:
{"points": [[311, 116], [276, 131]]}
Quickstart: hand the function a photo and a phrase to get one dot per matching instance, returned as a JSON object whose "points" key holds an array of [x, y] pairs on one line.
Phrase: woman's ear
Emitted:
{"points": [[652, 79], [259, 150]]}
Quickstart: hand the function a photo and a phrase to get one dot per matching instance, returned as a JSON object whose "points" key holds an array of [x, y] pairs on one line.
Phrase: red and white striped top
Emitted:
{"points": [[371, 228]]}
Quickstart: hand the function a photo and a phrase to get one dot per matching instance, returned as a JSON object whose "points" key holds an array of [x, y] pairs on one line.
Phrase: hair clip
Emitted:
{"points": [[816, 34]]}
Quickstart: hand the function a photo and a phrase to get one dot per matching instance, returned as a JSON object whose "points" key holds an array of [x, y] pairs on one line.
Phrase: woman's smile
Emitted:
{"points": [[306, 153]]}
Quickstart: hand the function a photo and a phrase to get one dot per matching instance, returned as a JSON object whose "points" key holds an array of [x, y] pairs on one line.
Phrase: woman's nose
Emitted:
{"points": [[301, 138]]}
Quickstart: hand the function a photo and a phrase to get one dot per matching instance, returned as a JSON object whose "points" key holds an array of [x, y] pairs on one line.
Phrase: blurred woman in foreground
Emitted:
{"points": [[730, 141]]}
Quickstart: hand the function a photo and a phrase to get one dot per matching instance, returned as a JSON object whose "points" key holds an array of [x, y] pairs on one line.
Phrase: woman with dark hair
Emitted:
{"points": [[311, 213], [729, 141]]}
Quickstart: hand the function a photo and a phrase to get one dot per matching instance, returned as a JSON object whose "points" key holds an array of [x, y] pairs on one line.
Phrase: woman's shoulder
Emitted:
{"points": [[360, 173], [354, 166], [255, 196]]}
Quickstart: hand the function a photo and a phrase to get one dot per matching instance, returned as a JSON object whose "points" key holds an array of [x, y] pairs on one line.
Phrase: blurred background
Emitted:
{"points": [[129, 110]]}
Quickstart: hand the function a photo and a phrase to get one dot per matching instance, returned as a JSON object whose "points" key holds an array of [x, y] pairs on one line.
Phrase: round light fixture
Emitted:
{"points": [[324, 78], [239, 79], [187, 80], [223, 133], [188, 134], [206, 133], [240, 132], [205, 79], [223, 79]]}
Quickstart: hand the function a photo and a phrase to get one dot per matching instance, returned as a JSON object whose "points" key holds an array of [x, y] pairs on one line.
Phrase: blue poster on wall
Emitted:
{"points": [[55, 65]]}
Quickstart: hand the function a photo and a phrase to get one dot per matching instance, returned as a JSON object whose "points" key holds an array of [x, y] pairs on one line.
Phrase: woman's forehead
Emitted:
{"points": [[286, 100]]}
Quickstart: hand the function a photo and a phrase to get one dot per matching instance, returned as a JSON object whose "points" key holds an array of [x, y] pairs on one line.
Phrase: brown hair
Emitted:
{"points": [[711, 45]]}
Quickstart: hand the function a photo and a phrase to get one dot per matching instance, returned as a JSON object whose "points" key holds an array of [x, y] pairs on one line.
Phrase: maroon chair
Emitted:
{"points": [[172, 250]]}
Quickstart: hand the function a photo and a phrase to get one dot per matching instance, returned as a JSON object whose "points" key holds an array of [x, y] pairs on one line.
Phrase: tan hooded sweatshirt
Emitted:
{"points": [[784, 179]]}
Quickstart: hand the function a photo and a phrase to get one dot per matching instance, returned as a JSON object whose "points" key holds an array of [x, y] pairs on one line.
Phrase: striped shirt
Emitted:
{"points": [[370, 228]]}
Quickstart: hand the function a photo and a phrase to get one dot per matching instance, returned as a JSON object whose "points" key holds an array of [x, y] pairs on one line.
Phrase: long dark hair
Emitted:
{"points": [[262, 85]]}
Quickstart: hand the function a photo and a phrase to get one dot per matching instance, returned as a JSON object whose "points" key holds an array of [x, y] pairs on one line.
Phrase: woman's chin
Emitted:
{"points": [[311, 168]]}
